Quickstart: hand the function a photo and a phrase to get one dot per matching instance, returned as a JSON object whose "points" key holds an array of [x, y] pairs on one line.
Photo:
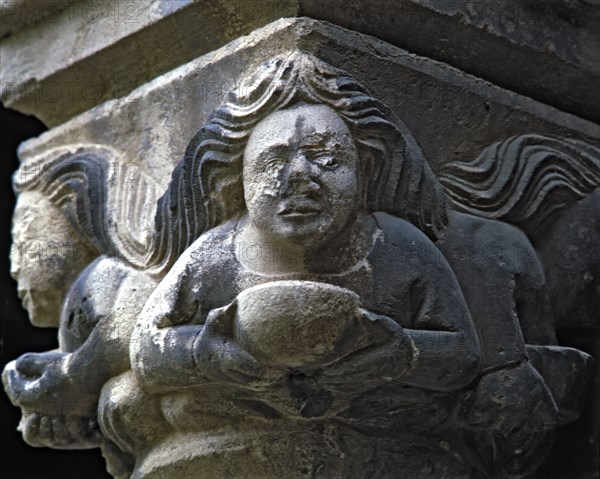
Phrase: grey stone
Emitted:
{"points": [[16, 14], [92, 51], [430, 92], [303, 300], [546, 50], [543, 50]]}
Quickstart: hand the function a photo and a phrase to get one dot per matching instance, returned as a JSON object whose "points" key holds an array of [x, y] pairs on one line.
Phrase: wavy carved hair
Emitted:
{"points": [[524, 180], [109, 203], [72, 181], [206, 187]]}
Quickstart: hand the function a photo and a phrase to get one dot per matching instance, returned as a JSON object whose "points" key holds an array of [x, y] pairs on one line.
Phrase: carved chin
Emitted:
{"points": [[42, 314], [311, 233]]}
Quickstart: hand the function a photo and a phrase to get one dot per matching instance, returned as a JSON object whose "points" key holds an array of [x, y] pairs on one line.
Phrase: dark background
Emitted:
{"points": [[18, 336]]}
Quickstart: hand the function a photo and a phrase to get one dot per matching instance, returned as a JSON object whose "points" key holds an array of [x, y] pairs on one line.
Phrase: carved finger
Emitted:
{"points": [[46, 432], [9, 375], [30, 365], [11, 366], [365, 369], [235, 360], [34, 364], [30, 427], [220, 320], [257, 380], [94, 436], [381, 328], [78, 427], [84, 432], [225, 361], [381, 358], [61, 435], [18, 388]]}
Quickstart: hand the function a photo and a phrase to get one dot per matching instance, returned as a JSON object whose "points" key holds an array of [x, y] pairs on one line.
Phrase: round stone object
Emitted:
{"points": [[294, 323]]}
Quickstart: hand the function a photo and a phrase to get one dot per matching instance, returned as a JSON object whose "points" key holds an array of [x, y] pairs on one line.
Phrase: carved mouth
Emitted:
{"points": [[299, 208]]}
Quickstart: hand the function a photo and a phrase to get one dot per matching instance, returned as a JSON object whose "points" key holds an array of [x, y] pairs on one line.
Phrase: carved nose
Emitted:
{"points": [[299, 168], [15, 267], [300, 176]]}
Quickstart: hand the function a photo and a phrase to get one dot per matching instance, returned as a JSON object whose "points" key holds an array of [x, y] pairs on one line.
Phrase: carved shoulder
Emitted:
{"points": [[489, 243], [197, 280], [108, 289], [406, 248]]}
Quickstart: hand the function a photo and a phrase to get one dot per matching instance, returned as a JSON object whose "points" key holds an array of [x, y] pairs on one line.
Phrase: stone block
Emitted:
{"points": [[87, 52], [453, 115], [546, 50]]}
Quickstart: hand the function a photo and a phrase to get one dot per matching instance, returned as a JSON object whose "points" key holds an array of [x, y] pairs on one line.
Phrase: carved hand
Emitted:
{"points": [[60, 431], [56, 413], [389, 354], [513, 402], [41, 383], [221, 359]]}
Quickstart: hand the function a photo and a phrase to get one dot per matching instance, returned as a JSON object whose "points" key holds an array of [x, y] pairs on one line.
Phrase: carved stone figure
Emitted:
{"points": [[309, 222], [58, 390], [47, 257], [306, 304], [548, 187]]}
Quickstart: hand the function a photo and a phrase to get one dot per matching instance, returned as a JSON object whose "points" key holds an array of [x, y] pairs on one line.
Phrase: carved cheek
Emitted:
{"points": [[259, 194], [343, 184], [270, 181]]}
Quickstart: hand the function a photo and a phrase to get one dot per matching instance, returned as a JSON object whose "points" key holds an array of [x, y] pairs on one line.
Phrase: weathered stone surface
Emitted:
{"points": [[546, 50], [306, 300], [15, 14], [543, 50], [294, 323], [91, 51], [425, 93]]}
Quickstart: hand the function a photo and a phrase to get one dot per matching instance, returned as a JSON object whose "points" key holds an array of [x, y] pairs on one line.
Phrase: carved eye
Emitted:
{"points": [[326, 161], [272, 165]]}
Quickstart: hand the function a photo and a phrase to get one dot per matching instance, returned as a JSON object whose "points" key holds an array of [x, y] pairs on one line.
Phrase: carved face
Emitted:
{"points": [[300, 174], [45, 257]]}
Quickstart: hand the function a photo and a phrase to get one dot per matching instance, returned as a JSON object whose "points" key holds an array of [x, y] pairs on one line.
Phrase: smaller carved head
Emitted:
{"points": [[58, 226], [45, 257]]}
